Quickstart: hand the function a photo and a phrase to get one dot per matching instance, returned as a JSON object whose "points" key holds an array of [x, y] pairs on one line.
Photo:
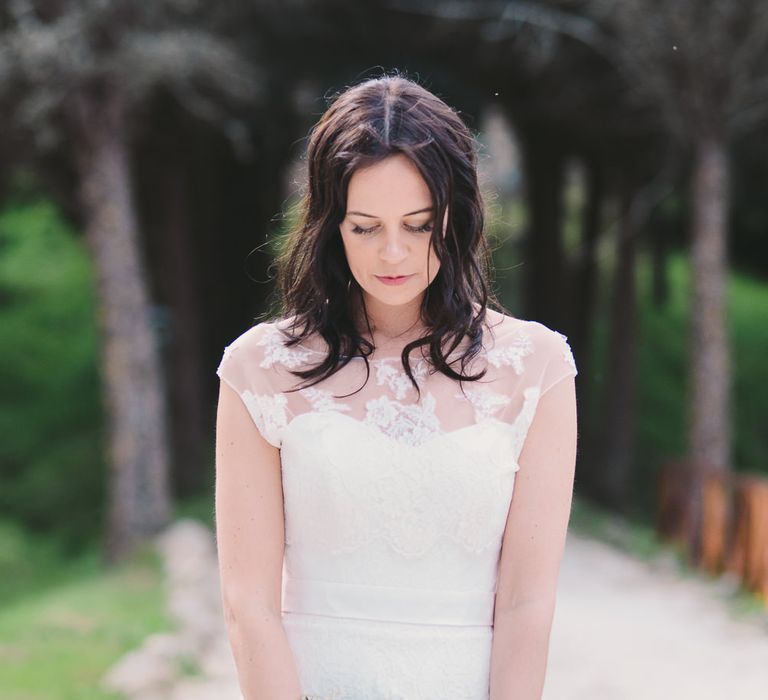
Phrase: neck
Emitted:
{"points": [[390, 325]]}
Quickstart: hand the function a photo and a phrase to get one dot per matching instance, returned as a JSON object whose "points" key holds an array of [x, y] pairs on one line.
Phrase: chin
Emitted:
{"points": [[395, 296]]}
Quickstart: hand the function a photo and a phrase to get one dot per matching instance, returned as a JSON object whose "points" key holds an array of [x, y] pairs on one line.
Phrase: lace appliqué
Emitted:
{"points": [[485, 402], [225, 357], [269, 413], [396, 378], [567, 353], [322, 400], [411, 424], [524, 419], [277, 352], [511, 353]]}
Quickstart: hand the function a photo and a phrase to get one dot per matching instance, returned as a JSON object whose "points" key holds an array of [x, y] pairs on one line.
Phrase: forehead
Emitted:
{"points": [[394, 184]]}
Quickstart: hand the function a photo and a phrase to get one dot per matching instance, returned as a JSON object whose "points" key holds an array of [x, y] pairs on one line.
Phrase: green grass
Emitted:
{"points": [[65, 620], [58, 644]]}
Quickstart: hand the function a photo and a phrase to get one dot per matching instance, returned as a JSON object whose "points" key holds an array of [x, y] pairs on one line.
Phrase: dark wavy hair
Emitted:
{"points": [[364, 124]]}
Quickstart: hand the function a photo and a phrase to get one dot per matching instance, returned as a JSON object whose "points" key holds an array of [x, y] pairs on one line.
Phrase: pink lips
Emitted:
{"points": [[394, 280]]}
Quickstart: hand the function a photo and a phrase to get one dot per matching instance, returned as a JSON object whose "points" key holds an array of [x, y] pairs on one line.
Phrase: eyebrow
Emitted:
{"points": [[410, 213]]}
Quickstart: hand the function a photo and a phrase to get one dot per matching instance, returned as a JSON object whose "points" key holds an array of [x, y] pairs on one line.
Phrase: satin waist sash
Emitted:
{"points": [[388, 604]]}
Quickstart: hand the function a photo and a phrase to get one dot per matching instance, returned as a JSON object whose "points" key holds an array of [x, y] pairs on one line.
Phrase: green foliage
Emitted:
{"points": [[32, 563], [661, 378], [748, 329], [51, 463], [662, 372]]}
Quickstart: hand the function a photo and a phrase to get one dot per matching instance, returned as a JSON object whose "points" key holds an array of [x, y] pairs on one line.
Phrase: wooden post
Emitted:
{"points": [[715, 521], [748, 556], [671, 507]]}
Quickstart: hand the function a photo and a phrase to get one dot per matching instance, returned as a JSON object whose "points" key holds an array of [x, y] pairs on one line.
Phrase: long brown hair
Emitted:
{"points": [[364, 124]]}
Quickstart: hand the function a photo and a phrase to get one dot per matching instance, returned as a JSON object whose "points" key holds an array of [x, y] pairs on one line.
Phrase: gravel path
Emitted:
{"points": [[624, 629]]}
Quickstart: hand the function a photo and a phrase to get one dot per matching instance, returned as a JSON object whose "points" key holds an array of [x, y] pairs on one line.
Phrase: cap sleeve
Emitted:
{"points": [[559, 364], [247, 368]]}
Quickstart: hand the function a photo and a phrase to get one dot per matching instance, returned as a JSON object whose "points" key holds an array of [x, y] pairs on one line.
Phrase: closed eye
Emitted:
{"points": [[424, 228]]}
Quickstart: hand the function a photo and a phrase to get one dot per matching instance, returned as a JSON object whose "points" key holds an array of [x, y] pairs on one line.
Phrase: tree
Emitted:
{"points": [[703, 64], [77, 74]]}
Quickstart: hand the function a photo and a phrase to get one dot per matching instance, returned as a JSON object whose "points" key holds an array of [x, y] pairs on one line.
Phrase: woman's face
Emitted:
{"points": [[387, 230]]}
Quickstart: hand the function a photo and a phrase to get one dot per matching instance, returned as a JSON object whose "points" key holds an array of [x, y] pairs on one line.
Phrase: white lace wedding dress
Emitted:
{"points": [[395, 509]]}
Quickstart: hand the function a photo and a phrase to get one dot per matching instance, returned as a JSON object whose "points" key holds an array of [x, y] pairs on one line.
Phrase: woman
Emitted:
{"points": [[370, 437]]}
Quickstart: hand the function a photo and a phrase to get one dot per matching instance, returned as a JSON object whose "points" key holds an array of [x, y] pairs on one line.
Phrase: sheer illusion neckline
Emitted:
{"points": [[374, 358], [388, 356]]}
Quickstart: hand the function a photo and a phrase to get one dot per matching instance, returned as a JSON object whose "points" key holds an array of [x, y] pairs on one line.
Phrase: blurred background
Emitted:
{"points": [[151, 157]]}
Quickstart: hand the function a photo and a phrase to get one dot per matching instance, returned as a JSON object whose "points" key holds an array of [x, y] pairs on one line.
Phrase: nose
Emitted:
{"points": [[394, 248]]}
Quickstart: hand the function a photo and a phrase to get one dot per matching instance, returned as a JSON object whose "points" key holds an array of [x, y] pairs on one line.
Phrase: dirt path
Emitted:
{"points": [[624, 629]]}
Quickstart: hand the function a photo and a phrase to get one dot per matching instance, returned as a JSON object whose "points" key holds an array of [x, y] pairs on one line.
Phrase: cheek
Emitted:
{"points": [[362, 258]]}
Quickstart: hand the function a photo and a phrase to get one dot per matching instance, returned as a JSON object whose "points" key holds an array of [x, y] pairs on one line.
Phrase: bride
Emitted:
{"points": [[391, 526]]}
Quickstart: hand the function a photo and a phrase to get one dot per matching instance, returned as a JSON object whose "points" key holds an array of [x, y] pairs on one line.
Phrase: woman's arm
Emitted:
{"points": [[532, 548], [250, 539]]}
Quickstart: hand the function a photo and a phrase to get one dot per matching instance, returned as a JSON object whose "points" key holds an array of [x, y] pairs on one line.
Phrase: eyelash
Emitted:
{"points": [[419, 229]]}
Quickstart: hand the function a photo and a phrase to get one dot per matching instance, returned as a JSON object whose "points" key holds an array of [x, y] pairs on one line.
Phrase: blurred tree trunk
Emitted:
{"points": [[618, 417], [710, 370], [585, 285], [586, 273], [709, 428], [132, 380], [188, 419], [545, 288]]}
